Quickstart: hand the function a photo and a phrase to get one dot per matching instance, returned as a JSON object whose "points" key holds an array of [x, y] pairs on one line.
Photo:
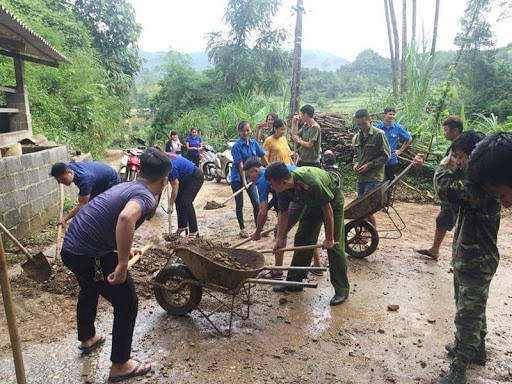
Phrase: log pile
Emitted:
{"points": [[337, 133]]}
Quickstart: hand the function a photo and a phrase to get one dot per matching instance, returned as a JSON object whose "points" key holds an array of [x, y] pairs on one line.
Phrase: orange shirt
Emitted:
{"points": [[277, 150]]}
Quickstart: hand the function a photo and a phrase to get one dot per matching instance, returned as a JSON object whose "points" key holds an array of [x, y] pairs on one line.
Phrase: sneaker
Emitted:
{"points": [[244, 234], [457, 375]]}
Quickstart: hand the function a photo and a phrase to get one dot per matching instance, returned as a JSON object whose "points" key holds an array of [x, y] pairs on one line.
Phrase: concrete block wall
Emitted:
{"points": [[29, 197]]}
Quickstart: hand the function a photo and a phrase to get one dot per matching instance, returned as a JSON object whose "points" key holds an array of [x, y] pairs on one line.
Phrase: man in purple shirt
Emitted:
{"points": [[97, 247]]}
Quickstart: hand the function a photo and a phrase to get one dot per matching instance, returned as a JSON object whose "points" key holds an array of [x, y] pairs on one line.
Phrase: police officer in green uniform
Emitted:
{"points": [[475, 254], [309, 137], [319, 192]]}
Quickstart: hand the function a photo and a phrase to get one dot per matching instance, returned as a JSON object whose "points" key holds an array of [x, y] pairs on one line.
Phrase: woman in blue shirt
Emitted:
{"points": [[194, 144], [244, 149], [186, 181]]}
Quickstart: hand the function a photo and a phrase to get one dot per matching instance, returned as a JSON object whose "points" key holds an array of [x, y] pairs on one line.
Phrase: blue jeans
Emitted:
{"points": [[363, 187], [239, 201]]}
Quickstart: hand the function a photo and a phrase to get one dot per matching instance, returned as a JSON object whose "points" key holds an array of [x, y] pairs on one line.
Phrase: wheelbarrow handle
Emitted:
{"points": [[249, 239], [135, 259], [280, 282], [235, 194], [290, 268], [299, 248]]}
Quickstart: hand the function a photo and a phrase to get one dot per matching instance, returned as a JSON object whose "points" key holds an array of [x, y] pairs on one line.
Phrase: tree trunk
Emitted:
{"points": [[413, 20], [297, 51], [391, 52], [434, 34], [403, 77], [397, 45]]}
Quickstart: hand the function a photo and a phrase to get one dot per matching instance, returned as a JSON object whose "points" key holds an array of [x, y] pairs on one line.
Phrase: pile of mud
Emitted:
{"points": [[213, 205]]}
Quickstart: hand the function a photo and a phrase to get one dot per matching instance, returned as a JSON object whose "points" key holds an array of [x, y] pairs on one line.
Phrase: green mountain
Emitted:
{"points": [[310, 59]]}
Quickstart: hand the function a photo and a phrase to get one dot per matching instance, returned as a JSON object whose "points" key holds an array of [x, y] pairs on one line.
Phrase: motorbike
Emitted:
{"points": [[328, 162], [223, 162], [207, 162], [130, 162], [130, 167]]}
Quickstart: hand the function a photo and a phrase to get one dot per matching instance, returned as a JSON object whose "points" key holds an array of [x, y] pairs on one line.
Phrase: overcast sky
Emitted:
{"points": [[340, 27]]}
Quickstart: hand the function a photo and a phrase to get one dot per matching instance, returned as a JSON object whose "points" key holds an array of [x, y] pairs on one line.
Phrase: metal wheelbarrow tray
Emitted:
{"points": [[179, 288]]}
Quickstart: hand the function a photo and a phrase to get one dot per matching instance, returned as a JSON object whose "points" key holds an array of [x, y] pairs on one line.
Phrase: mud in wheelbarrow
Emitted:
{"points": [[179, 288]]}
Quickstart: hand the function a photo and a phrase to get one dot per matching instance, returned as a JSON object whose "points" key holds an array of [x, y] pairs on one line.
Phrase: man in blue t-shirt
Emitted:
{"points": [[255, 171], [91, 177], [186, 181], [393, 132], [97, 247]]}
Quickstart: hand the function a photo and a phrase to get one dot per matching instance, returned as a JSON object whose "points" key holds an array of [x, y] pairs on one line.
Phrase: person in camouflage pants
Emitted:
{"points": [[475, 255]]}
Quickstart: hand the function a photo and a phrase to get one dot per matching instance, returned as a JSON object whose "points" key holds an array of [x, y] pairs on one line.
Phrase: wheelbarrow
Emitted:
{"points": [[361, 237], [179, 288]]}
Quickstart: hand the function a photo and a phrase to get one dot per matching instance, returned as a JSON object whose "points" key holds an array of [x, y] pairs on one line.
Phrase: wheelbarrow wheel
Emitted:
{"points": [[177, 303], [361, 238]]}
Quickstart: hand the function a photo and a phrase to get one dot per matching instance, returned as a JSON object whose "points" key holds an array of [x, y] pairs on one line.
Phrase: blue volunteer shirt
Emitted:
{"points": [[394, 132], [193, 143], [241, 152], [93, 177], [93, 230], [264, 187], [181, 168]]}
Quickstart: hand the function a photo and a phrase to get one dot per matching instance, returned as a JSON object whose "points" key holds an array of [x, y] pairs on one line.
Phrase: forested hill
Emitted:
{"points": [[310, 59]]}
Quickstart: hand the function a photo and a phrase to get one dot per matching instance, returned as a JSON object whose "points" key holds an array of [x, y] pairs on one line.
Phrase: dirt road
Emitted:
{"points": [[289, 338]]}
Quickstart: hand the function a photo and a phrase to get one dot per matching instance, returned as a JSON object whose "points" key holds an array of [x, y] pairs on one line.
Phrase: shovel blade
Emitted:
{"points": [[37, 268]]}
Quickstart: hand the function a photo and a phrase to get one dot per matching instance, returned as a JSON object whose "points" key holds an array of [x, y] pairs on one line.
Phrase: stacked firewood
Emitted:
{"points": [[337, 133]]}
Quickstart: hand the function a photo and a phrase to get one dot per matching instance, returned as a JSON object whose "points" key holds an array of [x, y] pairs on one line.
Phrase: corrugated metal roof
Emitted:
{"points": [[13, 29]]}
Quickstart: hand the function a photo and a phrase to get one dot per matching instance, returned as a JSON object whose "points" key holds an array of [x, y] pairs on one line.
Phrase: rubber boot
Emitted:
{"points": [[457, 375]]}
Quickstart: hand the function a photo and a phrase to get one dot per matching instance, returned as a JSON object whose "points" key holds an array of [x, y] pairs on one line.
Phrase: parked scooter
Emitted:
{"points": [[223, 162], [130, 162], [207, 162], [328, 162]]}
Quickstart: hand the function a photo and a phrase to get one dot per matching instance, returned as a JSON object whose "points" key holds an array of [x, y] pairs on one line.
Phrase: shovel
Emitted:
{"points": [[214, 205], [36, 267], [135, 259], [299, 248], [169, 211], [60, 228]]}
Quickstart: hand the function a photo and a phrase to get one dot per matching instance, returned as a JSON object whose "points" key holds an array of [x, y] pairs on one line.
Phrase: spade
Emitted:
{"points": [[36, 267]]}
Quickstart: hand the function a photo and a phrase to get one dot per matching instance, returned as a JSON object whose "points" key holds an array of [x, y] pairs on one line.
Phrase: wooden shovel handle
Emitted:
{"points": [[60, 228], [236, 193], [15, 241], [299, 248], [134, 260], [249, 239]]}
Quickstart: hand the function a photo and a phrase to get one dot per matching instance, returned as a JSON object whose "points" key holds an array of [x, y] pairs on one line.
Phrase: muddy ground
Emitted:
{"points": [[289, 338]]}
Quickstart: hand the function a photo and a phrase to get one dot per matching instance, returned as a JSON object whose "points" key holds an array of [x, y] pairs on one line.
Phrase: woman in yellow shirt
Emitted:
{"points": [[276, 146]]}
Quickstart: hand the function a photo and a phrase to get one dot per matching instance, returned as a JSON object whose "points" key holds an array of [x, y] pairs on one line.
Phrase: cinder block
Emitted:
{"points": [[37, 160], [13, 164], [3, 168], [43, 174], [4, 185], [33, 175], [54, 195], [20, 197], [46, 156], [32, 192], [37, 206], [26, 212], [35, 223], [20, 180], [6, 202], [22, 230], [11, 218], [27, 160]]}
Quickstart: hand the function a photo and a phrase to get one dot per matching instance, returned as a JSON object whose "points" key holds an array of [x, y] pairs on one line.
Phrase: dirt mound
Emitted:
{"points": [[213, 205]]}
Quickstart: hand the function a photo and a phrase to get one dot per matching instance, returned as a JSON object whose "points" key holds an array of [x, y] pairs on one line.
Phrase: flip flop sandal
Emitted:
{"points": [[87, 350], [276, 275], [425, 252], [132, 374]]}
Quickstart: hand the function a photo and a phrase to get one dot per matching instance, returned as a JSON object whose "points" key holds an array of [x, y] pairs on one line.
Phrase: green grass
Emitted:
{"points": [[348, 104]]}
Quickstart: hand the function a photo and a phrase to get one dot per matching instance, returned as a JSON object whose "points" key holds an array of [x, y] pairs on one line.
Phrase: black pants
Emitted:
{"points": [[239, 201], [194, 159], [122, 297], [389, 171], [187, 192]]}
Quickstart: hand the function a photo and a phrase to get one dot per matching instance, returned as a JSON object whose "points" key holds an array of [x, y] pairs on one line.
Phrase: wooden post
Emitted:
{"points": [[11, 319]]}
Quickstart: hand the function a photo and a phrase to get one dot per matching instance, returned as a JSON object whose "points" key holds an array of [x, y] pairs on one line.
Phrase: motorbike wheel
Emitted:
{"points": [[209, 171], [357, 242], [158, 198], [337, 176], [228, 173]]}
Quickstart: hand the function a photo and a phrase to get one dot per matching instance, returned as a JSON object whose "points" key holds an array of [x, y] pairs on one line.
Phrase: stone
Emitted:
{"points": [[393, 307]]}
